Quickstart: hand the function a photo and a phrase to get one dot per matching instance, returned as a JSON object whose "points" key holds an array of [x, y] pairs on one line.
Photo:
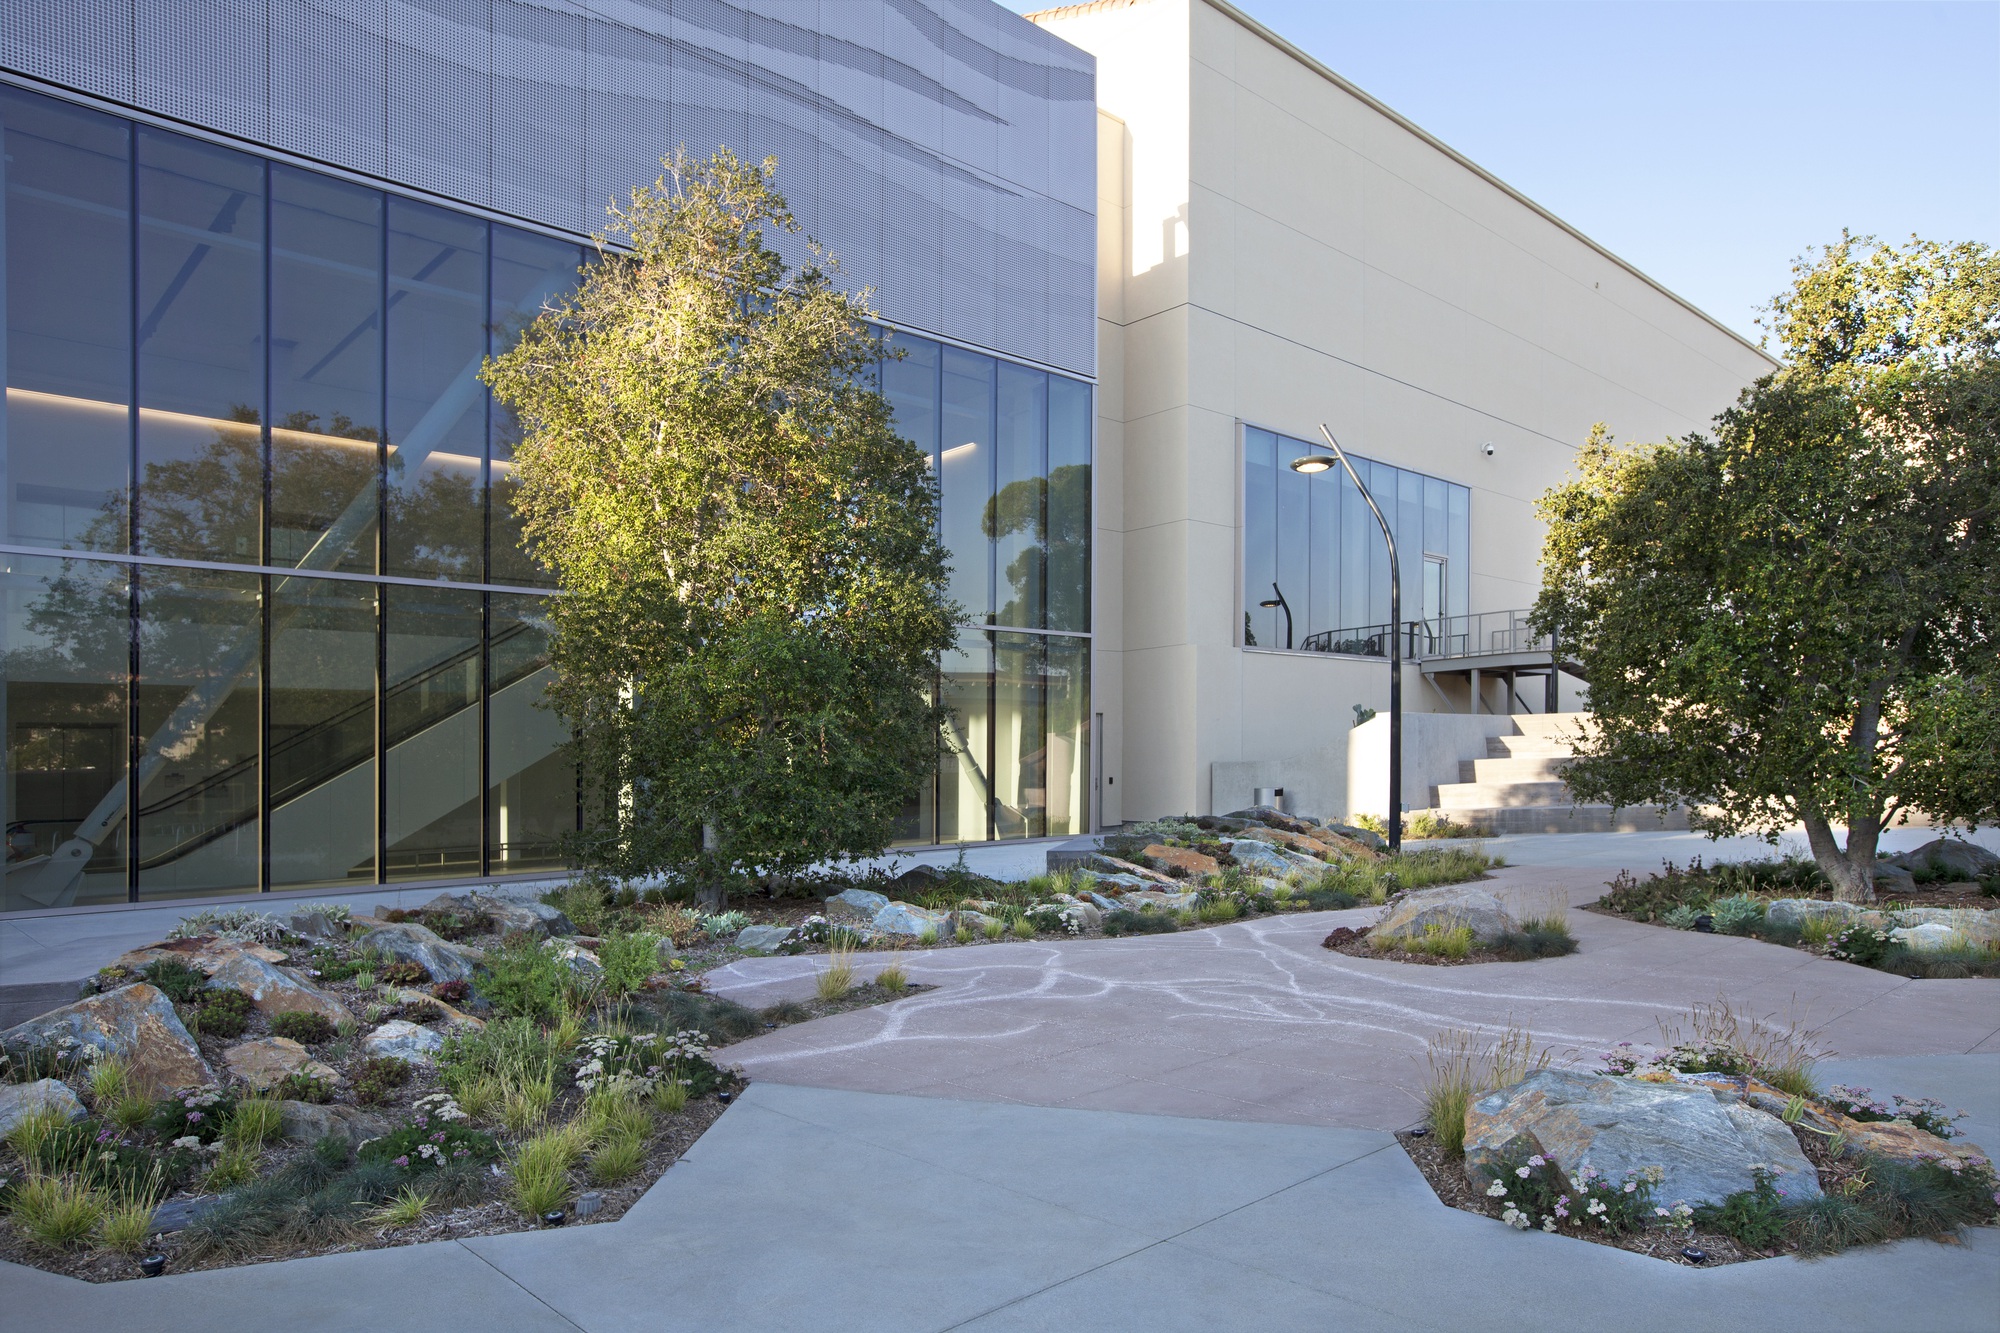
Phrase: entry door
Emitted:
{"points": [[1434, 603]]}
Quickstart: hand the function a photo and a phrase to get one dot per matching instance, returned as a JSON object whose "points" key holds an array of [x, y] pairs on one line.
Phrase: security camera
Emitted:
{"points": [[1486, 449]]}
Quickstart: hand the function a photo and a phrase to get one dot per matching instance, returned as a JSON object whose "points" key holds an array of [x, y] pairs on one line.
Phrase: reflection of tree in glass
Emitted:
{"points": [[1057, 512]]}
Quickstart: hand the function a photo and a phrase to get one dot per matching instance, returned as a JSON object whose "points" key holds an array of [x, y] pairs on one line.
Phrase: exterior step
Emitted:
{"points": [[1524, 747], [1551, 725], [1574, 819], [1514, 768], [1500, 795]]}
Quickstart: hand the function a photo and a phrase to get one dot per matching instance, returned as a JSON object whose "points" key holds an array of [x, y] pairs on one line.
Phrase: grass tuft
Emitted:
{"points": [[837, 977], [893, 979], [56, 1212], [405, 1208]]}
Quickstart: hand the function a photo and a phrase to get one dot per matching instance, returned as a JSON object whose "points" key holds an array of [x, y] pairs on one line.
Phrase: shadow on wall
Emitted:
{"points": [[1353, 773]]}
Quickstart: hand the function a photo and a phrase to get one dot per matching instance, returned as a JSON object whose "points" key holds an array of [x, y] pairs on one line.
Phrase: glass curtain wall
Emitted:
{"points": [[1311, 546], [1011, 446], [217, 360]]}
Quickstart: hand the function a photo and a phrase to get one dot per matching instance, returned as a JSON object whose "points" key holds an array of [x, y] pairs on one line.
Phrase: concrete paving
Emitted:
{"points": [[816, 1209], [1183, 1131], [1255, 1021]]}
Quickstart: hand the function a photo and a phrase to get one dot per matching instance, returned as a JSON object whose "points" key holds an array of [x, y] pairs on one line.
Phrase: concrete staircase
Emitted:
{"points": [[1518, 786]]}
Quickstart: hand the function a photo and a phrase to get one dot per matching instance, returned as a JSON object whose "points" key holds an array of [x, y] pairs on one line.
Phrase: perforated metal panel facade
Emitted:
{"points": [[945, 150]]}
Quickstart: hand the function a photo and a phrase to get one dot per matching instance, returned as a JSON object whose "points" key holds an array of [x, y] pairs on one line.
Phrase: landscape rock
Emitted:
{"points": [[1319, 849], [1795, 912], [856, 904], [1707, 1145], [1368, 838], [1184, 862], [318, 927], [135, 1023], [1927, 938], [1272, 817], [1456, 905], [180, 1214], [532, 918], [762, 939], [309, 1122], [965, 918], [1975, 924], [1102, 903], [201, 951], [1170, 902], [580, 960], [907, 919], [1107, 867], [1905, 1142], [452, 1017], [1969, 860], [277, 990], [18, 1101], [265, 1062], [1259, 857], [1086, 915], [917, 879], [408, 942], [400, 1039], [1893, 879]]}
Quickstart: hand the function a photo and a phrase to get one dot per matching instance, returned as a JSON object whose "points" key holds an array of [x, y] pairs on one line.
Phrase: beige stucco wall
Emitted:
{"points": [[1275, 249]]}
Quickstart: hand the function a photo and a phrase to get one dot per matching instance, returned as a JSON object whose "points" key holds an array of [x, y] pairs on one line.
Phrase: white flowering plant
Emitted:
{"points": [[438, 1134], [1535, 1192], [1690, 1057], [239, 924], [634, 1064], [1054, 918], [197, 1113]]}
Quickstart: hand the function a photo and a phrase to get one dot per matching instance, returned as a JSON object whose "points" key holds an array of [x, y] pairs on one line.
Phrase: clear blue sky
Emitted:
{"points": [[1706, 143]]}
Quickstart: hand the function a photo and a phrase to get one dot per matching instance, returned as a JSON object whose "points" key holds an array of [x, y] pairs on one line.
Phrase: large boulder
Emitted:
{"points": [[1929, 937], [1974, 924], [1369, 839], [1706, 1145], [400, 1039], [856, 904], [205, 952], [1272, 817], [1904, 1142], [135, 1023], [265, 1062], [1259, 857], [1111, 867], [277, 990], [309, 1122], [762, 939], [1967, 859], [907, 919], [1795, 912], [581, 961], [407, 942], [1184, 862], [1456, 905], [18, 1101], [317, 925], [512, 914]]}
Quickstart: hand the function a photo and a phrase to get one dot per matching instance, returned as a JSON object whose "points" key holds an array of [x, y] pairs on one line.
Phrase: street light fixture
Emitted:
{"points": [[1315, 463], [1277, 600]]}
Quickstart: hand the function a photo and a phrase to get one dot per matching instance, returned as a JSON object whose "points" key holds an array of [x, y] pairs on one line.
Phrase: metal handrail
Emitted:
{"points": [[1439, 637]]}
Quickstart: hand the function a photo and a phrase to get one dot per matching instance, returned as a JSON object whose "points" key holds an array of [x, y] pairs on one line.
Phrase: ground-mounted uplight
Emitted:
{"points": [[153, 1265], [725, 1097], [1694, 1256], [555, 1217]]}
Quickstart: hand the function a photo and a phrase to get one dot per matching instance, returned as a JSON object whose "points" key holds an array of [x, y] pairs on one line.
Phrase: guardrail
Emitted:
{"points": [[1439, 637]]}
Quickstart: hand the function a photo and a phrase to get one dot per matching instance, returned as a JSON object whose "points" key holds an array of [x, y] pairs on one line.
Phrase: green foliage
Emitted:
{"points": [[1736, 915], [303, 1087], [629, 960], [201, 1112], [1755, 1218], [378, 1078], [1536, 1192], [756, 586], [306, 1029], [617, 1159], [1699, 886], [220, 1013], [255, 1121], [521, 978], [1793, 620], [1463, 1067], [1535, 939], [56, 1212], [434, 1138], [1125, 921], [178, 981]]}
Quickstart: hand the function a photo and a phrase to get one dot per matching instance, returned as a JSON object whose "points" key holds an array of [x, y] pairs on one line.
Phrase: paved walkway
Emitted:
{"points": [[972, 1158], [1255, 1021], [824, 1210]]}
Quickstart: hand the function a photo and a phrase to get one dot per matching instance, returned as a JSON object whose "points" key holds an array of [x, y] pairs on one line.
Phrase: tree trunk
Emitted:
{"points": [[1851, 872]]}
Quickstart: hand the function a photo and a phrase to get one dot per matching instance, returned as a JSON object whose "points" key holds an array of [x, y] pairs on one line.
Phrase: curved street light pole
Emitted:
{"points": [[1314, 463]]}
